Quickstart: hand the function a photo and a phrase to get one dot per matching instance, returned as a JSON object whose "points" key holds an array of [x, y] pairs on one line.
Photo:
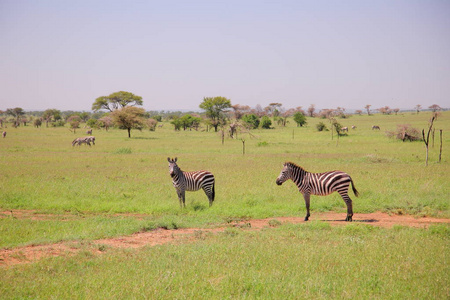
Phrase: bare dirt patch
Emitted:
{"points": [[161, 236]]}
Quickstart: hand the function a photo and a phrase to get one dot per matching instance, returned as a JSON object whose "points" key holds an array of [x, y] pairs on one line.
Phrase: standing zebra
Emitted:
{"points": [[321, 184], [191, 181]]}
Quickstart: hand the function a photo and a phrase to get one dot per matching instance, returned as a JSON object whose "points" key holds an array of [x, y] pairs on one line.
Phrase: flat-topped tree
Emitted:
{"points": [[116, 101]]}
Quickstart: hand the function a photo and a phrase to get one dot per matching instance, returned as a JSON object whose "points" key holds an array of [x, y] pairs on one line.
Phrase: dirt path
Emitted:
{"points": [[161, 236]]}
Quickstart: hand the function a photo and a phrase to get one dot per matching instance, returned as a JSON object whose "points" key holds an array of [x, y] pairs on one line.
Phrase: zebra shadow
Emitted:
{"points": [[354, 221]]}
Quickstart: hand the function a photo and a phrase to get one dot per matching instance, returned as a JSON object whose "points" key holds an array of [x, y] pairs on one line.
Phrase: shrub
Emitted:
{"points": [[300, 119], [266, 122], [321, 127], [251, 121], [405, 132]]}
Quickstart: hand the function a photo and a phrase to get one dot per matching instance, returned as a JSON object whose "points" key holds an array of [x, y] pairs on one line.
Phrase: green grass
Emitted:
{"points": [[40, 170], [304, 261], [82, 191]]}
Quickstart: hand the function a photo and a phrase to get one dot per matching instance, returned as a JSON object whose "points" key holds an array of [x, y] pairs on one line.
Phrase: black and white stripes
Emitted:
{"points": [[191, 181], [318, 184]]}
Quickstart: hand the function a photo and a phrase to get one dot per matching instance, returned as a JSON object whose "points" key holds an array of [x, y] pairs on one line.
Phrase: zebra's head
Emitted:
{"points": [[173, 167], [284, 175]]}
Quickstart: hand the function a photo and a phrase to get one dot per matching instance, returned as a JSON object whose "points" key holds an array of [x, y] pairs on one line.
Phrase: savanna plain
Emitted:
{"points": [[121, 186]]}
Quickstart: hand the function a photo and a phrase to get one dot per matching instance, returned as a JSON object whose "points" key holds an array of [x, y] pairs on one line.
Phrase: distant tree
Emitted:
{"points": [[37, 122], [326, 113], [273, 109], [311, 110], [396, 110], [266, 122], [240, 110], [151, 123], [176, 122], [367, 107], [93, 123], [215, 109], [321, 126], [358, 112], [189, 121], [251, 121], [128, 118], [74, 122], [435, 108], [259, 111], [106, 122], [17, 113], [51, 115], [300, 119], [418, 107], [385, 110], [116, 101]]}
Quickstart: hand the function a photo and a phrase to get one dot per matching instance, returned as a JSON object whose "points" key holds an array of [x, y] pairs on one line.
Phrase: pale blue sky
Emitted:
{"points": [[64, 54]]}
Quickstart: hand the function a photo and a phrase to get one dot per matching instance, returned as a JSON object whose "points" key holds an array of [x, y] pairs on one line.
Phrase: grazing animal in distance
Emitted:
{"points": [[353, 127], [321, 184], [344, 129], [191, 181], [375, 127], [4, 134], [89, 131], [84, 140]]}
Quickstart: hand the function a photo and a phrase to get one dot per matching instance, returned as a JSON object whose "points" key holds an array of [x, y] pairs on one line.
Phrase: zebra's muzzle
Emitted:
{"points": [[279, 182]]}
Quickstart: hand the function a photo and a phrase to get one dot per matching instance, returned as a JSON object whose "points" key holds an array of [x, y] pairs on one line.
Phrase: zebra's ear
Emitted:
{"points": [[168, 159], [175, 160]]}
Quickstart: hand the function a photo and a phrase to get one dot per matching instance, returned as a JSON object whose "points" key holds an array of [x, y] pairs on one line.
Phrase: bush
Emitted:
{"points": [[300, 119], [266, 122], [321, 127], [405, 132], [251, 121]]}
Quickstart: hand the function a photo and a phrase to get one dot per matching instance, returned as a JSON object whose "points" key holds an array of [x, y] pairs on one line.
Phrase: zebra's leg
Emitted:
{"points": [[349, 204], [306, 197], [181, 198], [210, 194]]}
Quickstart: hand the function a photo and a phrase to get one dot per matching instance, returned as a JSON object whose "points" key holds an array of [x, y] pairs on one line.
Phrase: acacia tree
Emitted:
{"points": [[300, 119], [17, 113], [51, 115], [128, 118], [116, 101], [215, 108], [367, 107]]}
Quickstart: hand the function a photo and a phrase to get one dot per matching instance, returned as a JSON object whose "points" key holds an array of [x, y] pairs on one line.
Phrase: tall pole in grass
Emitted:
{"points": [[440, 148], [426, 139]]}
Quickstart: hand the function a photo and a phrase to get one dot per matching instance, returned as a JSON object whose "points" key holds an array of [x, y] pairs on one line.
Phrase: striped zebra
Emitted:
{"points": [[84, 140], [321, 184], [191, 181]]}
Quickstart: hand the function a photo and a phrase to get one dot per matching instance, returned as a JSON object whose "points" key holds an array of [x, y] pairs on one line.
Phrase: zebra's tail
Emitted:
{"points": [[354, 188], [213, 194]]}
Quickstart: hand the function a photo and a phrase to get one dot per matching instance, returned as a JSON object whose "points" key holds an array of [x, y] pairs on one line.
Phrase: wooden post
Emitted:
{"points": [[440, 150], [243, 146]]}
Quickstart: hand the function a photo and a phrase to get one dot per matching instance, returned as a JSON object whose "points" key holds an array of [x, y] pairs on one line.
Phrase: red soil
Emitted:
{"points": [[160, 236]]}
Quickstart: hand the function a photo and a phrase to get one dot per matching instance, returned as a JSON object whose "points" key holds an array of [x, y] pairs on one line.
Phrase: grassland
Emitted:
{"points": [[86, 187]]}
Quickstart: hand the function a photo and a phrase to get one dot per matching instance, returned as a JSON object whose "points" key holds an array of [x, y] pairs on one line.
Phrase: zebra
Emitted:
{"points": [[4, 134], [321, 184], [375, 127], [191, 181], [353, 127], [86, 140], [344, 129], [89, 131]]}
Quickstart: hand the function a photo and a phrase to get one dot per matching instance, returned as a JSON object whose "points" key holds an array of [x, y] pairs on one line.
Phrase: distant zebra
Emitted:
{"points": [[84, 140], [89, 131], [4, 134], [375, 127], [191, 181], [353, 127], [344, 129], [321, 184]]}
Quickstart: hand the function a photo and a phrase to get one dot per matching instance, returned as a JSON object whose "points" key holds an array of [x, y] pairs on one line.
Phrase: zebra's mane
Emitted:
{"points": [[294, 165]]}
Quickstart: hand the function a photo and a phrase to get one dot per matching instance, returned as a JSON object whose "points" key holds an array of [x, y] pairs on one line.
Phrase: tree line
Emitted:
{"points": [[121, 109]]}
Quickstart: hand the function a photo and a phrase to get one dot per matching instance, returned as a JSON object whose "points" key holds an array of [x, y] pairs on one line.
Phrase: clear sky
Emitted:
{"points": [[64, 54]]}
